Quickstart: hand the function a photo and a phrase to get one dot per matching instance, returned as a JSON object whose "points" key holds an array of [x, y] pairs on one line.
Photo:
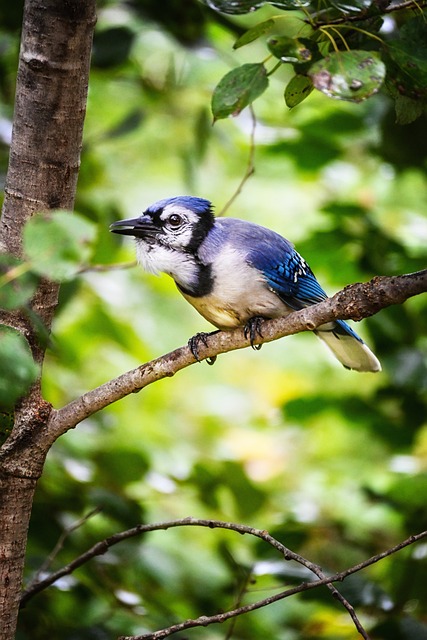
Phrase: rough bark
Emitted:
{"points": [[42, 175], [14, 524]]}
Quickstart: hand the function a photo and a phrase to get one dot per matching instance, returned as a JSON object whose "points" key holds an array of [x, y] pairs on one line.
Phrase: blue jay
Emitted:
{"points": [[235, 273]]}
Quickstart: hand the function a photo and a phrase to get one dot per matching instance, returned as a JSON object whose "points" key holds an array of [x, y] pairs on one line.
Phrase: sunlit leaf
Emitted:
{"points": [[58, 244], [348, 75], [17, 282], [238, 89], [19, 368], [254, 33], [297, 90], [236, 7]]}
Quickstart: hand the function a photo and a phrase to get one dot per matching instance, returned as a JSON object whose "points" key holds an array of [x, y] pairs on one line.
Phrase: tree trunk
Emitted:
{"points": [[44, 161], [15, 508]]}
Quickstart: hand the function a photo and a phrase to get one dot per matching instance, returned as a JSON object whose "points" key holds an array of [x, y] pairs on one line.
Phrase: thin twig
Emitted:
{"points": [[250, 167], [58, 546], [243, 589], [100, 268]]}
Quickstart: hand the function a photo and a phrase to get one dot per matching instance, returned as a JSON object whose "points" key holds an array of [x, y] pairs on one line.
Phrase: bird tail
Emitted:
{"points": [[348, 347]]}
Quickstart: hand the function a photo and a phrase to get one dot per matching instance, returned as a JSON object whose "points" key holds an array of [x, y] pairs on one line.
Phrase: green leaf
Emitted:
{"points": [[238, 89], [17, 283], [58, 244], [410, 50], [292, 50], [18, 367], [408, 110], [348, 75], [237, 7], [254, 33], [407, 69], [297, 90]]}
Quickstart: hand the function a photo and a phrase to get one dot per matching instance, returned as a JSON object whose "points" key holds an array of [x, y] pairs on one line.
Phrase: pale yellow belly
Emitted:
{"points": [[236, 313]]}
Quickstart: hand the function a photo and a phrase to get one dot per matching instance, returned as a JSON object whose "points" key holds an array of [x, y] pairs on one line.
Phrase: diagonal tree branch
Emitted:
{"points": [[355, 301]]}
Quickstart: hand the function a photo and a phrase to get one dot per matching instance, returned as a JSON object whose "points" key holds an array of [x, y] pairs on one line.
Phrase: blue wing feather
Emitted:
{"points": [[286, 272], [288, 275]]}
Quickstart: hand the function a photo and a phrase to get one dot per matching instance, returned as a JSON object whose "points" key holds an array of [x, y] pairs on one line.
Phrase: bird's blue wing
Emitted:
{"points": [[287, 274], [285, 271], [290, 277]]}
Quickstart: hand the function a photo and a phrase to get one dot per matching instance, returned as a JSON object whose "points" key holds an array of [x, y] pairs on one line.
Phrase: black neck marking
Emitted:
{"points": [[200, 231], [204, 283]]}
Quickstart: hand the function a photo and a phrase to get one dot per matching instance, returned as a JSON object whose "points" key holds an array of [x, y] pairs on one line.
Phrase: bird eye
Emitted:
{"points": [[174, 220]]}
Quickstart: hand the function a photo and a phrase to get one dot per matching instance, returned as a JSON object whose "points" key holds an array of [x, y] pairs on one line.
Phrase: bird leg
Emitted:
{"points": [[195, 341], [252, 329]]}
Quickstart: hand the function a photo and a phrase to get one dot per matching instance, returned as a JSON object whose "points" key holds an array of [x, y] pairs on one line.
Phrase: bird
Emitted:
{"points": [[235, 273]]}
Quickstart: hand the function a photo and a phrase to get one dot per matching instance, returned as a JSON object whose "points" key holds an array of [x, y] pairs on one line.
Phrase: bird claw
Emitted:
{"points": [[194, 343], [252, 330]]}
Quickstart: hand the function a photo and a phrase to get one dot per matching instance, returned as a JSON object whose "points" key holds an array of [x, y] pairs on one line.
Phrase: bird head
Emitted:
{"points": [[180, 223]]}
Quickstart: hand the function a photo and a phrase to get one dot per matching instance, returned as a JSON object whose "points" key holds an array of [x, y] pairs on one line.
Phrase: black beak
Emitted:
{"points": [[138, 227]]}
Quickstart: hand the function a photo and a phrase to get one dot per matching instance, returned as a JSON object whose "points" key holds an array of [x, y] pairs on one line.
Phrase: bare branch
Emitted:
{"points": [[101, 268], [356, 301], [102, 547]]}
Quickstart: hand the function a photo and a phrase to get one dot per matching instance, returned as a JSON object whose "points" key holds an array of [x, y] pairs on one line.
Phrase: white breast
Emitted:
{"points": [[239, 293], [156, 258]]}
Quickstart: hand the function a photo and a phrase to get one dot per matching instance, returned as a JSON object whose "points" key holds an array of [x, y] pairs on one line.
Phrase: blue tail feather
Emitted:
{"points": [[342, 328]]}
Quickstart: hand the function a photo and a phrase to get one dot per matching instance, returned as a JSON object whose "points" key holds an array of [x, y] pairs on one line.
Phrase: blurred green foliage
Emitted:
{"points": [[333, 463]]}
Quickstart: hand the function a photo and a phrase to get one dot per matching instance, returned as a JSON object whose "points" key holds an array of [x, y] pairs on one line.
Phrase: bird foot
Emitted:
{"points": [[252, 329], [195, 341]]}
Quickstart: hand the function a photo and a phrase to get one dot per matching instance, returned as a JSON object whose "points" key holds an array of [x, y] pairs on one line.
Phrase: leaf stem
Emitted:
{"points": [[276, 66]]}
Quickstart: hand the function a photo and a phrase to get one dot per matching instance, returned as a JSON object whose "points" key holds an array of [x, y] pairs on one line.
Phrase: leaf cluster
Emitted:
{"points": [[346, 52]]}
